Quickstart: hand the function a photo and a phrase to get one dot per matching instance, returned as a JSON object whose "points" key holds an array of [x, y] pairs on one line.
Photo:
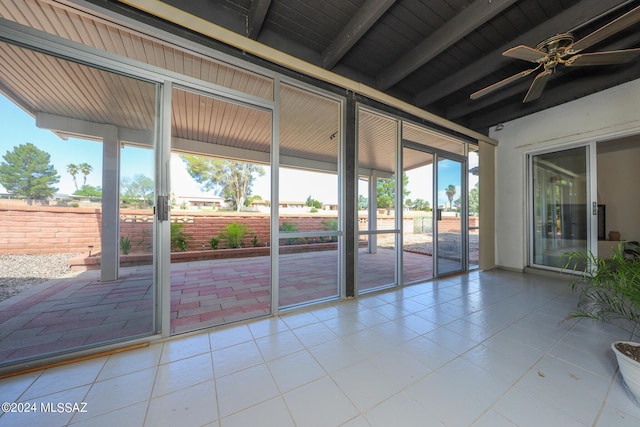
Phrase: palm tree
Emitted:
{"points": [[73, 170], [450, 192], [85, 169]]}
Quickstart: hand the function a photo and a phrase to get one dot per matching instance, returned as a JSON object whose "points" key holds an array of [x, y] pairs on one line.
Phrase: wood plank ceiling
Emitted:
{"points": [[435, 53], [44, 85]]}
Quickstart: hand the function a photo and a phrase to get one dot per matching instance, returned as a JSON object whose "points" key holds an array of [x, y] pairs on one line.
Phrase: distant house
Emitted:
{"points": [[199, 202]]}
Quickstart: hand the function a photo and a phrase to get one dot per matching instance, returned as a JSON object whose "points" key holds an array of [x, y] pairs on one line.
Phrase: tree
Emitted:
{"points": [[363, 203], [27, 172], [85, 169], [137, 190], [89, 191], [73, 170], [420, 205], [450, 192], [386, 189], [229, 179], [474, 199], [313, 203]]}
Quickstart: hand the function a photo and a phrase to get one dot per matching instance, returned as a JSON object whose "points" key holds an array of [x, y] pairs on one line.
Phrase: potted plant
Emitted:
{"points": [[610, 292]]}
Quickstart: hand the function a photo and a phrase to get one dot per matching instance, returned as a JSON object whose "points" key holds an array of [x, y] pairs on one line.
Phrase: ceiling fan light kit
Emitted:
{"points": [[561, 49]]}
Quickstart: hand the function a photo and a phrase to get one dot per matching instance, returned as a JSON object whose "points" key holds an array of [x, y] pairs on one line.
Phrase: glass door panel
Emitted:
{"points": [[308, 211], [378, 228], [220, 215], [84, 294], [560, 200], [474, 208], [417, 233], [450, 243]]}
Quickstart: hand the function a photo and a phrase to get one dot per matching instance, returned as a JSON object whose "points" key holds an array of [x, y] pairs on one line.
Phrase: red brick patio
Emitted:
{"points": [[81, 311]]}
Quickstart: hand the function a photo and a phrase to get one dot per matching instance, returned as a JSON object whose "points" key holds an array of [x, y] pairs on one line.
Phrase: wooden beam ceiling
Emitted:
{"points": [[562, 22], [361, 22], [257, 13], [455, 29]]}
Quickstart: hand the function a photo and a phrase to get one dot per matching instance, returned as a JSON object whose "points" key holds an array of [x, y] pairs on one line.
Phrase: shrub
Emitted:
{"points": [[330, 224], [178, 238], [254, 241], [288, 227], [234, 234], [125, 245], [213, 242]]}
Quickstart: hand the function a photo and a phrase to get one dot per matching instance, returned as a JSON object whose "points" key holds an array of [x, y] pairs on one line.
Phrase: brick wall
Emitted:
{"points": [[50, 229]]}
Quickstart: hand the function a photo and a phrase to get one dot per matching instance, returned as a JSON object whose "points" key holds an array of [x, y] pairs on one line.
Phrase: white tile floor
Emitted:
{"points": [[484, 349]]}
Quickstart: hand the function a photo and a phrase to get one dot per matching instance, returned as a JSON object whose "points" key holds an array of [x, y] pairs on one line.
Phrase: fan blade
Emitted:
{"points": [[602, 58], [605, 31], [537, 86], [501, 83], [526, 53]]}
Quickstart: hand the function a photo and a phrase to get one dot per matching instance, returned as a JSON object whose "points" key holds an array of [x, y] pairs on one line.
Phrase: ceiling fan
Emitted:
{"points": [[561, 49]]}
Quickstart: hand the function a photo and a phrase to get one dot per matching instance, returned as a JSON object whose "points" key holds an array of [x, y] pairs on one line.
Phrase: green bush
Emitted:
{"points": [[213, 242], [288, 227], [125, 245], [178, 238], [330, 224], [234, 234], [254, 241]]}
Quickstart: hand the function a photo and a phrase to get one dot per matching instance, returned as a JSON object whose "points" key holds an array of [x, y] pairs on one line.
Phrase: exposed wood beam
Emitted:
{"points": [[570, 18], [478, 13], [257, 13], [364, 19], [209, 29]]}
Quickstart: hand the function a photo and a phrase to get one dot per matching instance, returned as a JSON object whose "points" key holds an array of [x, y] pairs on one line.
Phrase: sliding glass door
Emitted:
{"points": [[418, 227], [220, 224], [450, 215], [561, 217]]}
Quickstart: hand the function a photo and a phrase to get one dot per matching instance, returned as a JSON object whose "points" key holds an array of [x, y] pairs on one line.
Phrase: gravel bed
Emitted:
{"points": [[18, 272]]}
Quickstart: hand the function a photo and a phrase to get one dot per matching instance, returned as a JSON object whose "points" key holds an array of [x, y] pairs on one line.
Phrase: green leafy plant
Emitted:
{"points": [[178, 238], [330, 224], [213, 242], [234, 234], [125, 245], [609, 289], [288, 227], [254, 241]]}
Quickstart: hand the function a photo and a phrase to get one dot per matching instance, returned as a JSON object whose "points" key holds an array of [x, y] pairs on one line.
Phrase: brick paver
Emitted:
{"points": [[65, 314]]}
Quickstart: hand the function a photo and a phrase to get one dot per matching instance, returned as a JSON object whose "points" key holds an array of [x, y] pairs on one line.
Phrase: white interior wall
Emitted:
{"points": [[618, 190], [602, 116]]}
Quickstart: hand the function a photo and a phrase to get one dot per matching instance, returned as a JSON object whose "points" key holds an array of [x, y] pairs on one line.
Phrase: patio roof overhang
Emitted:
{"points": [[72, 99]]}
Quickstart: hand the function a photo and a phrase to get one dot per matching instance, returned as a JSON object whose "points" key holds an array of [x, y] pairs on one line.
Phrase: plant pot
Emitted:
{"points": [[629, 368]]}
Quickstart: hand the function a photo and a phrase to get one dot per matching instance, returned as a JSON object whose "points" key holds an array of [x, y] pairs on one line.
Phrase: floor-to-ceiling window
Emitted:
{"points": [[378, 233], [66, 167], [308, 188], [220, 229]]}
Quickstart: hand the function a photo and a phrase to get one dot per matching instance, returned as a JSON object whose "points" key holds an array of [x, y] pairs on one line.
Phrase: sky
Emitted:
{"points": [[18, 127]]}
